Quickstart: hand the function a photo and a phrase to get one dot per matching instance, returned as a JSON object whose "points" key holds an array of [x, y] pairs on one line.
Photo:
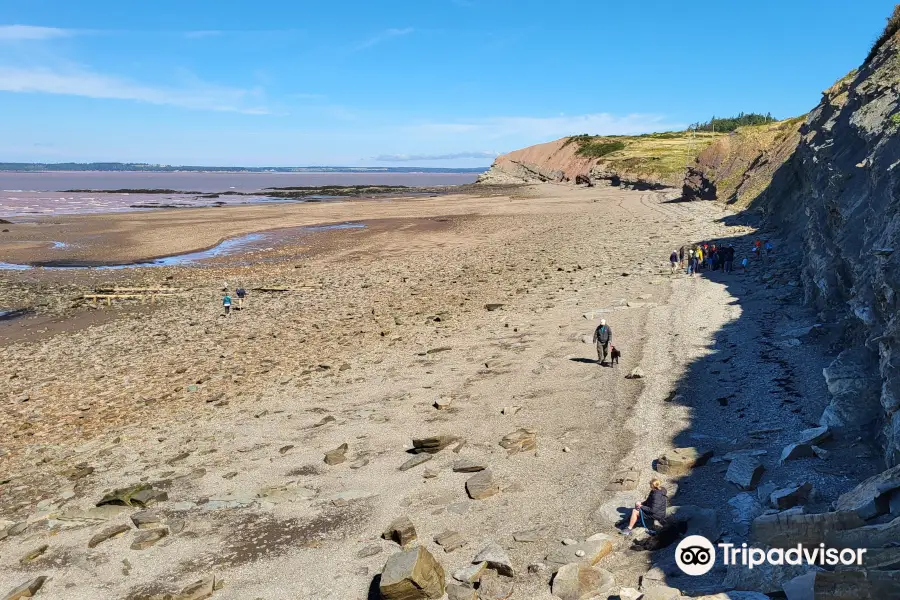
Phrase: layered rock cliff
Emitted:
{"points": [[647, 161], [839, 196]]}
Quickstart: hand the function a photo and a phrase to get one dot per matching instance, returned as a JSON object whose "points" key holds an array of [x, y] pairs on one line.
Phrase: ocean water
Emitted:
{"points": [[41, 194]]}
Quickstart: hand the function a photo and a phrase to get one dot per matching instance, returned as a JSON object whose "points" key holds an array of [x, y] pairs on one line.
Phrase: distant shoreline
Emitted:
{"points": [[250, 170]]}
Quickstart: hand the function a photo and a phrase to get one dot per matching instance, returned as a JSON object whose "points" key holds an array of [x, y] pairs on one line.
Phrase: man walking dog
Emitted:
{"points": [[603, 338]]}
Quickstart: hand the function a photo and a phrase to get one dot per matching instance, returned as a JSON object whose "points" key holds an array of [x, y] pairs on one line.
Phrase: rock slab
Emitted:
{"points": [[413, 574]]}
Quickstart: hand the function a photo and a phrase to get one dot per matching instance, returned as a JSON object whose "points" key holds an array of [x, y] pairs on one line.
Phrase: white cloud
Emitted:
{"points": [[78, 82], [416, 157], [17, 33], [383, 36]]}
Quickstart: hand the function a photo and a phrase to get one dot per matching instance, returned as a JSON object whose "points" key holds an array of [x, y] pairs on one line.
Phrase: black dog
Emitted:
{"points": [[614, 354], [665, 536]]}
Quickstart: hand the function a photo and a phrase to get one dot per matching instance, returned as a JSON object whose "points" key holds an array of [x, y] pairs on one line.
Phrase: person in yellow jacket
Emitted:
{"points": [[699, 257]]}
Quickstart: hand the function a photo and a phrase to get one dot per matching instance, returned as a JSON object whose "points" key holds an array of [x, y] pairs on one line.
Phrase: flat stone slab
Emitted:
{"points": [[745, 472], [872, 497], [482, 485], [413, 574], [625, 480], [415, 461], [107, 534], [592, 551], [680, 461], [783, 530]]}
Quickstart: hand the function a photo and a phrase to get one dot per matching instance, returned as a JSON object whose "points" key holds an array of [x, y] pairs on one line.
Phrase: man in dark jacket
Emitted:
{"points": [[652, 509], [603, 338]]}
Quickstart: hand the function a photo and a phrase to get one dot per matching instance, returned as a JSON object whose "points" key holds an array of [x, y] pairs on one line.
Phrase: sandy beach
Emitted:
{"points": [[467, 315]]}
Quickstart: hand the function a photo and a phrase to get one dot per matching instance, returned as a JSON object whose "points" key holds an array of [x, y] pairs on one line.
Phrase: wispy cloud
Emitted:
{"points": [[383, 36], [546, 128], [418, 157], [79, 82], [15, 33]]}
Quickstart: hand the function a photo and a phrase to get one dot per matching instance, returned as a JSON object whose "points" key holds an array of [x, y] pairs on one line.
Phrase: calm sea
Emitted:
{"points": [[35, 194]]}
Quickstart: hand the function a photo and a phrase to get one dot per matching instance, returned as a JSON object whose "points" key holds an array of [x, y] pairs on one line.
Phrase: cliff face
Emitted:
{"points": [[839, 195], [647, 161], [739, 166]]}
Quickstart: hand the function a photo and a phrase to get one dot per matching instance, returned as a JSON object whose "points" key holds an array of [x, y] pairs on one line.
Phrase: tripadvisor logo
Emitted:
{"points": [[696, 555]]}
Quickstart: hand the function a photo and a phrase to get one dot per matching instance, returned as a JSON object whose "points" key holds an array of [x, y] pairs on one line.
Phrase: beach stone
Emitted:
{"points": [[661, 592], [337, 456], [791, 496], [816, 435], [578, 581], [141, 494], [744, 509], [106, 534], [450, 540], [429, 473], [872, 497], [470, 574], [797, 450], [870, 536], [765, 578], [783, 530], [594, 550], [456, 591], [401, 530], [199, 590], [531, 535], [636, 373], [482, 485], [442, 403], [496, 559], [147, 519], [413, 574], [27, 589], [468, 465], [145, 539], [415, 461], [520, 440], [434, 444], [494, 586], [625, 480], [745, 472], [680, 461], [492, 306], [34, 554], [628, 593]]}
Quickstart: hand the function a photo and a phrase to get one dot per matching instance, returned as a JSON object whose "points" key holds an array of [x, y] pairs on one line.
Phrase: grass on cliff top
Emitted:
{"points": [[892, 27], [660, 155]]}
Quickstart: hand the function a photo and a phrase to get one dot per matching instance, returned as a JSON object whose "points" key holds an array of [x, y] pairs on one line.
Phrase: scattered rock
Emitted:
{"points": [[429, 474], [791, 496], [579, 581], [872, 497], [745, 472], [337, 456], [521, 440], [27, 589], [699, 521], [744, 509], [199, 590], [413, 574], [368, 551], [496, 559], [141, 494], [442, 403], [456, 591], [593, 550], [147, 519], [325, 421], [145, 539], [494, 586], [636, 373], [106, 534], [450, 540], [468, 465], [531, 535], [482, 485], [415, 461], [680, 461], [797, 450], [491, 307], [401, 531], [870, 536], [470, 574], [34, 554], [765, 578], [434, 444], [510, 410], [661, 592]]}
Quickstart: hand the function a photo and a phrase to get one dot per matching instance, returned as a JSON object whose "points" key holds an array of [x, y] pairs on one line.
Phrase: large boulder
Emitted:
{"points": [[845, 585], [745, 472], [580, 581], [873, 496], [783, 530], [871, 536], [765, 578], [482, 485], [855, 388], [413, 574], [744, 509], [699, 521]]}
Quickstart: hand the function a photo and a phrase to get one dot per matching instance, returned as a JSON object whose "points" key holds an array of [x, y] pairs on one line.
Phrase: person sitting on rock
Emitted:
{"points": [[603, 338], [652, 509]]}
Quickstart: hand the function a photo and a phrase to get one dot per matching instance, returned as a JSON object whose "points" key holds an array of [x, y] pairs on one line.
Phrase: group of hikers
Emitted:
{"points": [[227, 300], [707, 256]]}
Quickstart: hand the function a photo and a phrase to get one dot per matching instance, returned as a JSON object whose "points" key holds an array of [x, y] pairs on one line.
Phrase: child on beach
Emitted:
{"points": [[226, 302]]}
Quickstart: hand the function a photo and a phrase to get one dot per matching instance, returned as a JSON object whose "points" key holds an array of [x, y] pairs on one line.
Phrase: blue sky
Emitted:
{"points": [[412, 83]]}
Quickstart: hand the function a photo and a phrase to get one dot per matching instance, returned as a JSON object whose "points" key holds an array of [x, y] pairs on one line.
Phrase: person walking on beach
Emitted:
{"points": [[768, 248], [603, 338], [681, 257], [729, 259], [226, 303], [651, 509], [699, 263], [240, 293], [673, 259]]}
